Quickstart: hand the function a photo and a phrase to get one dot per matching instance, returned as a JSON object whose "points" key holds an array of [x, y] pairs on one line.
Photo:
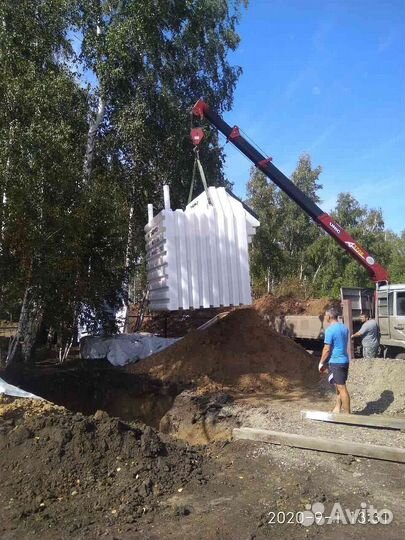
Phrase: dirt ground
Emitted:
{"points": [[147, 451], [238, 353], [376, 387], [254, 487], [70, 475], [272, 306]]}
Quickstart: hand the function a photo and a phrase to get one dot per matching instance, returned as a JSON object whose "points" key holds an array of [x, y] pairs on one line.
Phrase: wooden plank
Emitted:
{"points": [[212, 321], [372, 451], [375, 421]]}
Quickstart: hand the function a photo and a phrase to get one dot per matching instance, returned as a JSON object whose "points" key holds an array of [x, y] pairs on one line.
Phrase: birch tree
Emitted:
{"points": [[94, 117], [42, 117]]}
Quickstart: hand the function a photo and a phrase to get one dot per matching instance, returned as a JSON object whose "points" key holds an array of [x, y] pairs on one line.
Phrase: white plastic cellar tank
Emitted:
{"points": [[198, 258]]}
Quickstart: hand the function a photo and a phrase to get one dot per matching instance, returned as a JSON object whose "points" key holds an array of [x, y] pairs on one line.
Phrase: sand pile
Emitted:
{"points": [[77, 472], [274, 306], [239, 352]]}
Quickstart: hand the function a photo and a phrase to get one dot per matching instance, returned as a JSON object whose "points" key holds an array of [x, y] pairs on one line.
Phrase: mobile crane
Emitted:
{"points": [[389, 299]]}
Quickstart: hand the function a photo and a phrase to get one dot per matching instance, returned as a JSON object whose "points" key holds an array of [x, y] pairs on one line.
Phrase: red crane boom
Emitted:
{"points": [[377, 272]]}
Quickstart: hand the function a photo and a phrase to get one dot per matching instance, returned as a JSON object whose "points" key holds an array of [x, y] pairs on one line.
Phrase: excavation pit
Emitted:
{"points": [[87, 387]]}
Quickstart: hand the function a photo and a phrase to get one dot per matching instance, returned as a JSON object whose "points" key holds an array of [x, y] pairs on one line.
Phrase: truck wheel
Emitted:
{"points": [[400, 356]]}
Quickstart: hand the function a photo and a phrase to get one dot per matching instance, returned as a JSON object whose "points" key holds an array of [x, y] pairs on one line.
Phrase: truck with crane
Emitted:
{"points": [[386, 302]]}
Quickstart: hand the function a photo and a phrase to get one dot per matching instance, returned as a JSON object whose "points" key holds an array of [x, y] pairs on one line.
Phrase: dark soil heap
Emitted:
{"points": [[273, 306], [178, 323], [239, 352], [66, 470]]}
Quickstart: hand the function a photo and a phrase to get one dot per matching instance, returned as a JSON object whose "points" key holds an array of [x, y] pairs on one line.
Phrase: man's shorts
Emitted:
{"points": [[338, 373]]}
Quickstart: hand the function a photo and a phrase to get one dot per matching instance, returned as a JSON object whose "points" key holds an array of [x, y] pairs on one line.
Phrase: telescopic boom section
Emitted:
{"points": [[376, 271]]}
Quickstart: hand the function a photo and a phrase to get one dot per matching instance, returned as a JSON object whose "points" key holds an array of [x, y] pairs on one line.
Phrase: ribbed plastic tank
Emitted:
{"points": [[198, 258]]}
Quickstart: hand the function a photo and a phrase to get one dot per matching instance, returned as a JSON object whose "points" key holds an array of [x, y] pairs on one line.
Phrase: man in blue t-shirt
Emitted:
{"points": [[335, 351]]}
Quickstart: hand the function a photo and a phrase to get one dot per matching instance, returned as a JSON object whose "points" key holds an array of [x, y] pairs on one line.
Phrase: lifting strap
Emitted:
{"points": [[197, 165]]}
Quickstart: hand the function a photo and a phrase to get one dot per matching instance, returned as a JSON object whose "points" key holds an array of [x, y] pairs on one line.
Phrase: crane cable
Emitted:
{"points": [[197, 165]]}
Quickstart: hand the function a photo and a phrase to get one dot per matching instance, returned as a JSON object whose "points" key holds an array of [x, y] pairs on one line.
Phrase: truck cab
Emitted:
{"points": [[390, 316], [387, 305]]}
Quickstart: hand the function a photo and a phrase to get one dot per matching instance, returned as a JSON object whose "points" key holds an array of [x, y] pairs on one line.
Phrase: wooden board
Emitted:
{"points": [[375, 421], [212, 321], [372, 451]]}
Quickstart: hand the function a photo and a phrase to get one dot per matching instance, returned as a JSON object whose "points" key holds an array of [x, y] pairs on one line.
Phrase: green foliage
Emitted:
{"points": [[336, 267], [291, 254], [152, 61], [267, 256], [42, 127], [286, 232], [293, 287], [72, 213], [396, 265]]}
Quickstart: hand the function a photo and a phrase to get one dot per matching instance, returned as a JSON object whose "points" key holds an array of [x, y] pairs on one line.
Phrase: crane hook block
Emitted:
{"points": [[197, 135]]}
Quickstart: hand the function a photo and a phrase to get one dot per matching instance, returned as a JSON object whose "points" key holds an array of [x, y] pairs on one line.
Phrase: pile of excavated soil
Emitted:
{"points": [[274, 306], [178, 323], [239, 352], [66, 471]]}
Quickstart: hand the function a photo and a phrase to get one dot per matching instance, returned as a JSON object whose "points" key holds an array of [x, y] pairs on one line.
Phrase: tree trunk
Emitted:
{"points": [[89, 157], [95, 124], [268, 281], [22, 346], [3, 194], [301, 271], [32, 324], [3, 204], [65, 338], [91, 140], [127, 264], [316, 272]]}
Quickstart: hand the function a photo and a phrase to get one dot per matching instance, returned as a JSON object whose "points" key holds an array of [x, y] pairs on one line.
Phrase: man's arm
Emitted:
{"points": [[360, 332], [325, 357]]}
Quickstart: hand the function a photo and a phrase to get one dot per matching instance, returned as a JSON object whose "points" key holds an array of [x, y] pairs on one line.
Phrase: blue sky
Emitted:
{"points": [[328, 78]]}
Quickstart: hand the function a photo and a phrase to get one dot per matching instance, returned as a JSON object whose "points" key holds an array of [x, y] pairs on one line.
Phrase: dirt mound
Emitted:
{"points": [[274, 306], [178, 323], [75, 472], [239, 352]]}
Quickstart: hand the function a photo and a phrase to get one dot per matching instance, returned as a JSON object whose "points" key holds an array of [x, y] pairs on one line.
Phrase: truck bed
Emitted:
{"points": [[300, 326]]}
